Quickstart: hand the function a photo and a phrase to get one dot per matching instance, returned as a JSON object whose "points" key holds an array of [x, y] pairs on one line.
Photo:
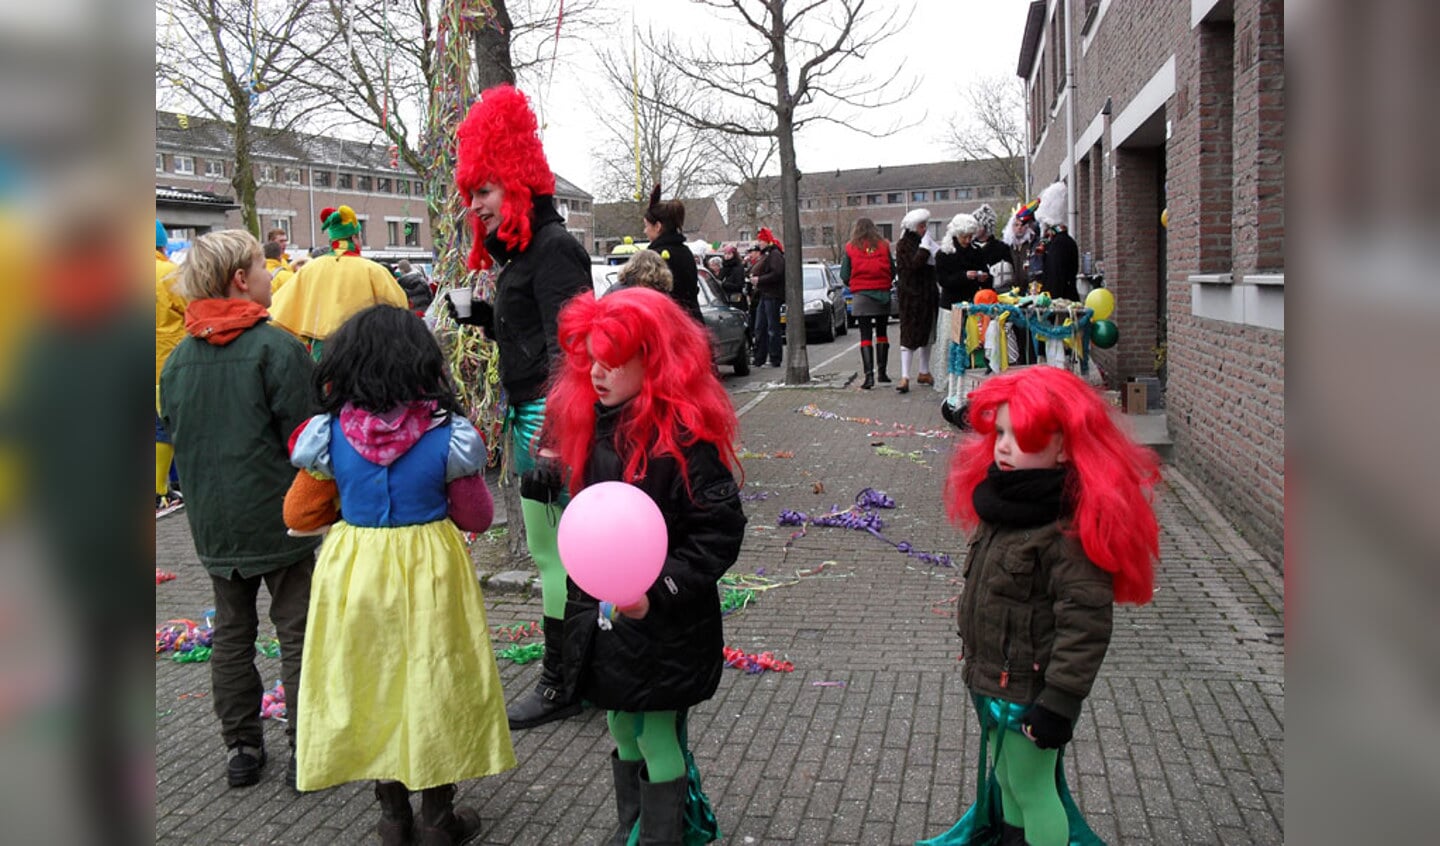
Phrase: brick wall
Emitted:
{"points": [[1222, 167]]}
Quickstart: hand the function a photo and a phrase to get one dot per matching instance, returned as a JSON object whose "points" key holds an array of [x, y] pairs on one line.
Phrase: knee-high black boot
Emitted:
{"points": [[397, 818], [882, 360], [867, 360], [662, 812], [627, 797], [547, 702]]}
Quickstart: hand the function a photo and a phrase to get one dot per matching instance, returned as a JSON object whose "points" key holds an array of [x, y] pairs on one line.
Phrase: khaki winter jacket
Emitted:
{"points": [[1034, 617]]}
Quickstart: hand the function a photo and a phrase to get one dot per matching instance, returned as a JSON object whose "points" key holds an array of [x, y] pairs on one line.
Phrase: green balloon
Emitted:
{"points": [[1104, 334]]}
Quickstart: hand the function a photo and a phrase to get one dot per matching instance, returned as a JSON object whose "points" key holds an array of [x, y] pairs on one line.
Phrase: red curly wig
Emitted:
{"points": [[681, 402], [1113, 518], [499, 143]]}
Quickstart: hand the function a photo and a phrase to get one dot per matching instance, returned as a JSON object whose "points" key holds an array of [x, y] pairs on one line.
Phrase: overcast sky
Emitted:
{"points": [[947, 45]]}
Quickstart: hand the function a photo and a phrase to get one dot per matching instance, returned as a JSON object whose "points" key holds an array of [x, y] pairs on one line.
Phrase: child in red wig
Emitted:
{"points": [[636, 400], [1055, 497]]}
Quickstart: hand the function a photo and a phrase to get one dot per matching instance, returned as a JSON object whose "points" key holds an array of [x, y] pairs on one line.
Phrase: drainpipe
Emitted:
{"points": [[1072, 214], [312, 206]]}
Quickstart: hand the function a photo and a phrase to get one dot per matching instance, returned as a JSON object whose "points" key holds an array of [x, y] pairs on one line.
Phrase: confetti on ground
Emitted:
{"points": [[521, 653], [861, 516], [272, 704], [196, 695], [915, 455], [269, 648], [827, 684], [518, 631], [162, 576], [755, 496], [895, 430], [776, 454], [759, 663]]}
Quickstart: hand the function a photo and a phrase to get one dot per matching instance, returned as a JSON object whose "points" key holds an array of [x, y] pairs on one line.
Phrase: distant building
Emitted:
{"points": [[1180, 108], [615, 221], [831, 201], [300, 174]]}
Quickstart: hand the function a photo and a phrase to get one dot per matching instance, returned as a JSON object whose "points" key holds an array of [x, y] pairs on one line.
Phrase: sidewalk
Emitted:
{"points": [[871, 740]]}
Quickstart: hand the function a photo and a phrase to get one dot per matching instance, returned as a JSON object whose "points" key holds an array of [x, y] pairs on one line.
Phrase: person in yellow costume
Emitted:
{"points": [[280, 270], [169, 331], [329, 289]]}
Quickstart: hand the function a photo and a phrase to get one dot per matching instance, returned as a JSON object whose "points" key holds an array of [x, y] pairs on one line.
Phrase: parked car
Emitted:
{"points": [[824, 303], [729, 334]]}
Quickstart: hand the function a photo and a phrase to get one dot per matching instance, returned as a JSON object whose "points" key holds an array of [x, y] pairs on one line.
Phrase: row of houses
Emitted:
{"points": [[299, 174], [1167, 122]]}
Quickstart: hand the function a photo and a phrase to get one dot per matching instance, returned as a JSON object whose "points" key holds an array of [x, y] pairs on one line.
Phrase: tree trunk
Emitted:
{"points": [[492, 50], [797, 358]]}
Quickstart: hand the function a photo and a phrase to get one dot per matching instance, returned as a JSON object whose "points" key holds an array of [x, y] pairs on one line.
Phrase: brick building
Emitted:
{"points": [[300, 174], [831, 201], [613, 222], [1180, 107]]}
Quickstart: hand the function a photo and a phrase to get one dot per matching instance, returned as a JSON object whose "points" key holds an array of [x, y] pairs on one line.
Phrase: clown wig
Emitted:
{"points": [[765, 236], [499, 143], [680, 403], [1110, 479]]}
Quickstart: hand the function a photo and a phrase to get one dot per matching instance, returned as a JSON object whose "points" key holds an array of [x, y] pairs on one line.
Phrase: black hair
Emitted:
{"points": [[381, 358], [272, 249], [670, 214]]}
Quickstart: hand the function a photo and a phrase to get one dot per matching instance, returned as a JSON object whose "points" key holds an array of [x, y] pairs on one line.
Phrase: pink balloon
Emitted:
{"points": [[613, 541]]}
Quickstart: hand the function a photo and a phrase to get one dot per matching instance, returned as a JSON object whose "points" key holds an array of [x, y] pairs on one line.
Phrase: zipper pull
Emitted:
{"points": [[1005, 675]]}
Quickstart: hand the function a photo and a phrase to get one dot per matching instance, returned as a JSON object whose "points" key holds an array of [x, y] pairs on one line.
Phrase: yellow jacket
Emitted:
{"points": [[328, 289], [169, 311]]}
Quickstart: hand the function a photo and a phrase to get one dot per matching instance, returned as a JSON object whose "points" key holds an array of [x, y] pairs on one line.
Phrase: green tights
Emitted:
{"points": [[1026, 774], [542, 522], [650, 736]]}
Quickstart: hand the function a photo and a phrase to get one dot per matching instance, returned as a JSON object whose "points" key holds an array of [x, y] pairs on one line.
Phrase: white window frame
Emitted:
{"points": [[292, 176], [185, 165], [159, 162], [214, 165], [267, 173]]}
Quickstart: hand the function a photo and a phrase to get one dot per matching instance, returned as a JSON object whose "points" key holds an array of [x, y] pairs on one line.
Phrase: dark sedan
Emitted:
{"points": [[729, 336], [824, 303]]}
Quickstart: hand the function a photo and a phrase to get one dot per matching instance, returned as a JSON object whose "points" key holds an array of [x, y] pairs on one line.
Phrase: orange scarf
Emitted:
{"points": [[219, 322]]}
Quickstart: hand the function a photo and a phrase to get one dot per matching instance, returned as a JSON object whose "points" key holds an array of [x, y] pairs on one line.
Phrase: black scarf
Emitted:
{"points": [[1023, 498]]}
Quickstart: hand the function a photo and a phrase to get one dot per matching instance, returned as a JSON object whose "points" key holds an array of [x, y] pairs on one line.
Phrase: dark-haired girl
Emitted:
{"points": [[636, 401], [403, 687], [664, 225]]}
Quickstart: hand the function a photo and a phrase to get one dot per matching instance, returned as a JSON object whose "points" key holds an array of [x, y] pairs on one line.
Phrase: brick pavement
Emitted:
{"points": [[1181, 741]]}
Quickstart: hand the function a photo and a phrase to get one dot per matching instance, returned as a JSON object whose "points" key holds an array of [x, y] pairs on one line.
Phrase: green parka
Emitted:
{"points": [[230, 410], [1035, 617]]}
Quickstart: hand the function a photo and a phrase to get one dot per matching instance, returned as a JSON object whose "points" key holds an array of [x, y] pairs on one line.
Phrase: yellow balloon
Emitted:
{"points": [[1165, 217], [1102, 302]]}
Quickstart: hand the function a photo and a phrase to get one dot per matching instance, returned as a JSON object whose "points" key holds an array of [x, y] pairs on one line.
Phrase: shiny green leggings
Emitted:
{"points": [[650, 736]]}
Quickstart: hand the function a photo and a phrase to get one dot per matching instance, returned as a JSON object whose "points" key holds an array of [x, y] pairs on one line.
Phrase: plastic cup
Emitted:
{"points": [[460, 298]]}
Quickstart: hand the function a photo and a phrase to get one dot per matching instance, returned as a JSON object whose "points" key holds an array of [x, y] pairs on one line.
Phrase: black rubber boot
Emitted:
{"points": [[397, 819], [662, 812], [867, 360], [1011, 835], [882, 361], [547, 702], [443, 824], [627, 797]]}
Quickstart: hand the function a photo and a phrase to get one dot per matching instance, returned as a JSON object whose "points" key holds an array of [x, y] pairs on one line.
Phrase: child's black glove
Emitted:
{"points": [[482, 314], [1048, 729]]}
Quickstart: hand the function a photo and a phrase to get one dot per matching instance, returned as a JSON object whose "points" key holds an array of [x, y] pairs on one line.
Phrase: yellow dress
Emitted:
{"points": [[399, 680], [327, 290]]}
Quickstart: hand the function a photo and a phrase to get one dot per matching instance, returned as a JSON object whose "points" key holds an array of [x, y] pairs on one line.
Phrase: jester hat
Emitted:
{"points": [[499, 142], [341, 226]]}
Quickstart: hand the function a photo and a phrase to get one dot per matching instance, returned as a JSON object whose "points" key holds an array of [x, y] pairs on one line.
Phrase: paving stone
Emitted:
{"points": [[1181, 740]]}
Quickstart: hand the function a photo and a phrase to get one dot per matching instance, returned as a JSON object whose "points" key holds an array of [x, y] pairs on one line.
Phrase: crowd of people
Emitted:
{"points": [[324, 454]]}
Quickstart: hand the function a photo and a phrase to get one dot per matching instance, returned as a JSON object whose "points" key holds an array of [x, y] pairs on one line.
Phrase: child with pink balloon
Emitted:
{"points": [[646, 432]]}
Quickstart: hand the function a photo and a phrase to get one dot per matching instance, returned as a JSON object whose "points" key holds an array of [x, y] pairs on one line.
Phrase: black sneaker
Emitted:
{"points": [[245, 765]]}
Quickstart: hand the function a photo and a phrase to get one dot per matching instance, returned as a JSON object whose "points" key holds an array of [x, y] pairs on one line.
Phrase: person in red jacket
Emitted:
{"points": [[868, 268]]}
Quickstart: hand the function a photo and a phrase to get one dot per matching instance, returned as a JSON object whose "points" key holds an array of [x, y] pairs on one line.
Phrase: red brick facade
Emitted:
{"points": [[1181, 107]]}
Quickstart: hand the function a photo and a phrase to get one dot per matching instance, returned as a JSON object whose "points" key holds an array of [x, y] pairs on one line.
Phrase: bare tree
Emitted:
{"points": [[992, 128], [645, 143], [786, 72], [236, 63], [746, 158]]}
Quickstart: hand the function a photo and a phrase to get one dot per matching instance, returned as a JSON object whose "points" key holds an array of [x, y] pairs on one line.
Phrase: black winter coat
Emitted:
{"points": [[919, 297], [1062, 264], [672, 658], [769, 274], [532, 287], [686, 291], [950, 273]]}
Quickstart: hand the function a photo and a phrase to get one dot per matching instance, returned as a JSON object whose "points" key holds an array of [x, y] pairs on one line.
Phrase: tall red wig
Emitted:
{"points": [[1113, 518], [499, 143], [681, 402]]}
